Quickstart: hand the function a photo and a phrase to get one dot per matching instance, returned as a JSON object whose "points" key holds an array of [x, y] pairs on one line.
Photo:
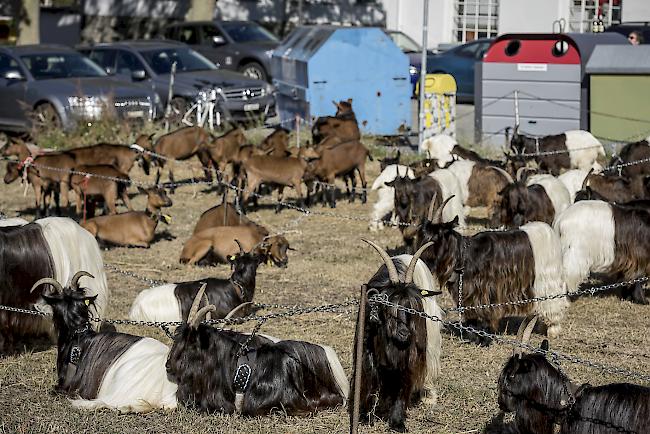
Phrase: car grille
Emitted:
{"points": [[244, 94], [134, 108]]}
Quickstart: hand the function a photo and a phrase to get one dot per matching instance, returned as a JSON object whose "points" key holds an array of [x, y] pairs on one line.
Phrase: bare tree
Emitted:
{"points": [[200, 10], [28, 18]]}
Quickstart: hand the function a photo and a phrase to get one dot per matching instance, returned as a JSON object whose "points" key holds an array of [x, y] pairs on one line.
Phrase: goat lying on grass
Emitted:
{"points": [[172, 302], [401, 352], [104, 370], [227, 371], [542, 397]]}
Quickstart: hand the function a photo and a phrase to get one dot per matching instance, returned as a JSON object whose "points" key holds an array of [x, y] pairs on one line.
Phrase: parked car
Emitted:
{"points": [[242, 46], [52, 86], [412, 49], [459, 62], [151, 62], [626, 28]]}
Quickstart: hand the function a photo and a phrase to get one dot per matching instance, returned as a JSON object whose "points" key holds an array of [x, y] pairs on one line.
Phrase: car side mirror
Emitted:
{"points": [[110, 70], [13, 75], [218, 40], [138, 74]]}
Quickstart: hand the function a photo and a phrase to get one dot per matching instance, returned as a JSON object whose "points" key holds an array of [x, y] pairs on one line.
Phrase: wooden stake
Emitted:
{"points": [[361, 324]]}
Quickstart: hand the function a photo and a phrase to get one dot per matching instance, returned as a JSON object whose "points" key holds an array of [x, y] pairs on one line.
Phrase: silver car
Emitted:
{"points": [[52, 86]]}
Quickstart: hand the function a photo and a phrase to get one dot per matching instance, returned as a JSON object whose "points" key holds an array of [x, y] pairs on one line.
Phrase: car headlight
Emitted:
{"points": [[413, 70], [269, 89], [88, 107], [268, 53]]}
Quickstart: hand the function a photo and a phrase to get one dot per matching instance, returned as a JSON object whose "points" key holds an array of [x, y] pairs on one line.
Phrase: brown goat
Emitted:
{"points": [[344, 125], [62, 162], [276, 144], [224, 214], [120, 156], [181, 144], [281, 171], [133, 228], [224, 150], [340, 158], [612, 188], [218, 244], [90, 187], [43, 188]]}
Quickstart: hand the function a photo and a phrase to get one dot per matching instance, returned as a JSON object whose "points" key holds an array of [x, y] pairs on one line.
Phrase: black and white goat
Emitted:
{"points": [[383, 209], [227, 371], [171, 302], [577, 149], [542, 397], [401, 352], [497, 267], [606, 239], [535, 198], [108, 369], [52, 247]]}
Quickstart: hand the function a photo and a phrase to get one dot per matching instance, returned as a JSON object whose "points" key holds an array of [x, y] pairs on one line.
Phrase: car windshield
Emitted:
{"points": [[405, 43], [46, 66], [187, 60], [247, 32]]}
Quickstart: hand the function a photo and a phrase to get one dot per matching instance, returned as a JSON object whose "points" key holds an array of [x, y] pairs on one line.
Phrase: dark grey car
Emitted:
{"points": [[150, 62], [242, 46], [52, 86]]}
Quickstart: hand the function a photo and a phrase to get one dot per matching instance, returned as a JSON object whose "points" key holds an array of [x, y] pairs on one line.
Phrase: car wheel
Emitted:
{"points": [[45, 118], [253, 70]]}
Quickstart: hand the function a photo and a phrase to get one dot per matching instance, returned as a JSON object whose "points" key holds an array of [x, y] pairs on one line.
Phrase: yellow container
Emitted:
{"points": [[440, 101]]}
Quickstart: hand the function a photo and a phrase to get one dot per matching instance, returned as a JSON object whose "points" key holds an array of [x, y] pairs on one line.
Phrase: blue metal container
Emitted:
{"points": [[316, 65]]}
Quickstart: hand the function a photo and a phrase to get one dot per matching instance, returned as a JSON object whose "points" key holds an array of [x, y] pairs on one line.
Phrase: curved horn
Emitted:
{"points": [[241, 249], [438, 217], [392, 271], [48, 281], [586, 180], [520, 172], [414, 261], [523, 333], [504, 173], [205, 311], [237, 309], [432, 205], [74, 282], [196, 303]]}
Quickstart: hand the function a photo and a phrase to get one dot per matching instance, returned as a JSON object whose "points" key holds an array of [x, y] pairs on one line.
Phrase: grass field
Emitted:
{"points": [[328, 267]]}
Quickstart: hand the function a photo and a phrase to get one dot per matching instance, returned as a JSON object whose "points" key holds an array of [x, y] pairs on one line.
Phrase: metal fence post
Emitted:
{"points": [[423, 71], [361, 326]]}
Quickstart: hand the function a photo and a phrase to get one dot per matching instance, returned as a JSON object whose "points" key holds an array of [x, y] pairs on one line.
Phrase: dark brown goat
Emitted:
{"points": [[611, 187], [542, 397], [521, 204], [44, 189], [468, 154]]}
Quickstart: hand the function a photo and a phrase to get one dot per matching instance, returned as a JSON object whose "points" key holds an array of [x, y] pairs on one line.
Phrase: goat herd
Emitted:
{"points": [[566, 218]]}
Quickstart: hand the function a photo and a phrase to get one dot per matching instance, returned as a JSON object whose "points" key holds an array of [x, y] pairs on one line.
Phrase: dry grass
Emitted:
{"points": [[328, 267]]}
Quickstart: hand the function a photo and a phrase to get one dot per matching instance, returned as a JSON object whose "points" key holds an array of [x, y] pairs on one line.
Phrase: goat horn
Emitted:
{"points": [[237, 309], [205, 311], [432, 206], [48, 281], [520, 171], [414, 261], [196, 303], [392, 271], [241, 249], [74, 282], [438, 217], [523, 334], [586, 180]]}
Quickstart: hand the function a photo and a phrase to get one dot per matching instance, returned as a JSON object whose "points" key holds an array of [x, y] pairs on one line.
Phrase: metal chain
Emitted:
{"points": [[151, 282], [482, 333], [591, 291], [559, 151], [629, 163]]}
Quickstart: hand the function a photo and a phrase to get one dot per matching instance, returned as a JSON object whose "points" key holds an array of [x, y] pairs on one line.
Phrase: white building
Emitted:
{"points": [[464, 20]]}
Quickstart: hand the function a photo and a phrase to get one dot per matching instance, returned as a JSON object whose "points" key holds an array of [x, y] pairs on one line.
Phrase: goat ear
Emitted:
{"points": [[544, 345], [390, 183], [454, 222]]}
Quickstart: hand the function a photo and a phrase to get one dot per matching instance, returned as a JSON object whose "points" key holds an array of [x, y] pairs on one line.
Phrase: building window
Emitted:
{"points": [[475, 19], [583, 13]]}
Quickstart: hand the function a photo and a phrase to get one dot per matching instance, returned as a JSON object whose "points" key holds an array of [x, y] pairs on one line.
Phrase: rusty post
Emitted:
{"points": [[361, 324]]}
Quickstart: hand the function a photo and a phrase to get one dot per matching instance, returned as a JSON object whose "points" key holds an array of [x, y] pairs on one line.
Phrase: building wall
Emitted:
{"points": [[636, 10], [531, 16], [406, 16]]}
